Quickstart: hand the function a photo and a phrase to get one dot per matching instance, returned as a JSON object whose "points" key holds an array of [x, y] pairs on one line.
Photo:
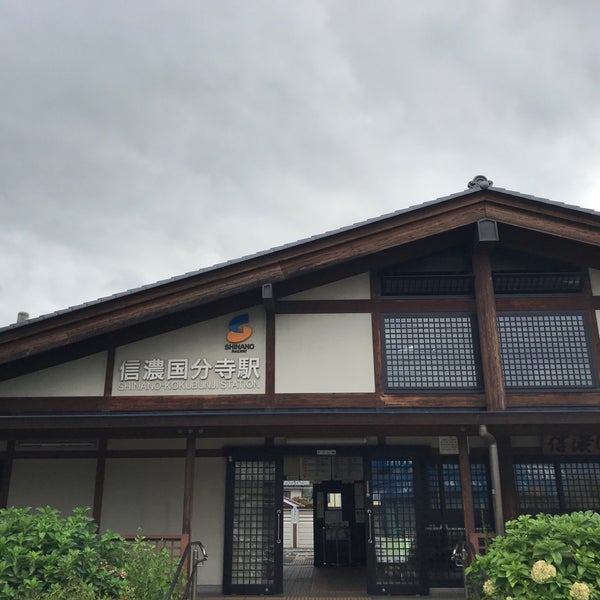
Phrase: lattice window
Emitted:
{"points": [[427, 285], [581, 486], [538, 283], [253, 548], [537, 489], [394, 521], [430, 352], [433, 481], [545, 350], [558, 486]]}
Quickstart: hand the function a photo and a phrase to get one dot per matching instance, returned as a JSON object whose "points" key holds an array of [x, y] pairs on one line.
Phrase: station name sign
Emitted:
{"points": [[191, 363]]}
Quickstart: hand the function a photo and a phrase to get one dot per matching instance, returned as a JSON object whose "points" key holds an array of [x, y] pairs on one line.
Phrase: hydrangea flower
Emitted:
{"points": [[580, 591], [488, 588], [542, 571]]}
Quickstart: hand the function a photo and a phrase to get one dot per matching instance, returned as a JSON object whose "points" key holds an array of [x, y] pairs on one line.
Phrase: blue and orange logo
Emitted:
{"points": [[239, 331]]}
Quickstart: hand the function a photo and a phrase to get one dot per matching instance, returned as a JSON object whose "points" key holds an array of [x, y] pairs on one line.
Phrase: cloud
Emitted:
{"points": [[143, 140]]}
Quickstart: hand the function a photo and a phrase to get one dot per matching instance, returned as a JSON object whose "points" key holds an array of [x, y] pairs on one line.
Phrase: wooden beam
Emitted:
{"points": [[466, 485], [99, 482], [489, 340], [507, 479], [188, 487], [6, 473]]}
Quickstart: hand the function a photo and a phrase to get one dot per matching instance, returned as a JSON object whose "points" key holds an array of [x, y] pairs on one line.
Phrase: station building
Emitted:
{"points": [[430, 374]]}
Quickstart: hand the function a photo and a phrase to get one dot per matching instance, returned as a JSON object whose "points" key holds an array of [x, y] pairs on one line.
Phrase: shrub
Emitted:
{"points": [[46, 557], [149, 571], [41, 552], [546, 557]]}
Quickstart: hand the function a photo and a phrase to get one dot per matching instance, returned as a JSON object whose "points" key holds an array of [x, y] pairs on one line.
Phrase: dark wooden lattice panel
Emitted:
{"points": [[537, 489], [394, 523], [430, 352], [581, 485], [545, 350], [253, 546]]}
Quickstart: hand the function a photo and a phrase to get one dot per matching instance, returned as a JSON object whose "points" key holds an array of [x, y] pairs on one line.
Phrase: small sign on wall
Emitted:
{"points": [[572, 444], [448, 444]]}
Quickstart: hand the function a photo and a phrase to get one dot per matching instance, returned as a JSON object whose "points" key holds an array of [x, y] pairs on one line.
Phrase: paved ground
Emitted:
{"points": [[302, 581]]}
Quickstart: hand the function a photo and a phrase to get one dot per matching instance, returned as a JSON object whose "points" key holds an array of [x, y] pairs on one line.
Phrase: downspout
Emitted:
{"points": [[490, 440]]}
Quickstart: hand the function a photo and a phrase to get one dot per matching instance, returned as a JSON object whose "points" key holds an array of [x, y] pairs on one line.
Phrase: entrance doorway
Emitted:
{"points": [[331, 560], [339, 525], [370, 516]]}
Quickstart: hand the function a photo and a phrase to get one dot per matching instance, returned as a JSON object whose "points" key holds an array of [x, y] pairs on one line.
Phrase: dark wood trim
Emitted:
{"points": [[303, 423], [553, 399], [489, 340], [466, 485], [594, 331], [117, 454], [99, 482], [442, 304], [516, 399], [378, 305], [448, 401], [6, 474], [290, 307], [550, 246], [188, 486], [574, 302], [341, 400], [110, 369], [270, 358], [507, 479], [376, 338]]}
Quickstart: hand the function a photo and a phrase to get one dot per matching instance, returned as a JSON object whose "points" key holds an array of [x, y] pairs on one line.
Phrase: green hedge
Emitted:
{"points": [[547, 557], [45, 556]]}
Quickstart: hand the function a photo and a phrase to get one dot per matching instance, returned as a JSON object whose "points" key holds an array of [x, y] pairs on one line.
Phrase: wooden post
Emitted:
{"points": [[489, 339], [188, 488], [6, 473], [99, 483], [466, 485], [507, 479]]}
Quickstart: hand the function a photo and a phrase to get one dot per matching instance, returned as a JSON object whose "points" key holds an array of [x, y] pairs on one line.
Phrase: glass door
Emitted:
{"points": [[394, 499], [254, 524]]}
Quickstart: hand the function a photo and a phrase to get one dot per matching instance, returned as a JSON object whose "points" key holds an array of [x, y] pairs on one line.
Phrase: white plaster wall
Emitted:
{"points": [[63, 484], [143, 493], [324, 353], [83, 377], [352, 288], [595, 281], [208, 518]]}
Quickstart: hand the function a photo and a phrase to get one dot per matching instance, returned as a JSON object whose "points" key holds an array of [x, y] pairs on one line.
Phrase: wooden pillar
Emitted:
{"points": [[99, 483], [507, 478], [466, 485], [188, 488], [489, 339], [269, 370], [6, 473]]}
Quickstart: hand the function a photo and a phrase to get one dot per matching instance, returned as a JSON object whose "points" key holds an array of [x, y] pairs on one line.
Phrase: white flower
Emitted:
{"points": [[542, 571], [488, 588], [580, 591]]}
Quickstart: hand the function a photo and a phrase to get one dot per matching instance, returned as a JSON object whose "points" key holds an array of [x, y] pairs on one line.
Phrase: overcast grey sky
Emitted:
{"points": [[140, 140]]}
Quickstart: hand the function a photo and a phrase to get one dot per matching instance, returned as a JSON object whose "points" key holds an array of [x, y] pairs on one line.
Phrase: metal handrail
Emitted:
{"points": [[462, 556], [199, 556]]}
